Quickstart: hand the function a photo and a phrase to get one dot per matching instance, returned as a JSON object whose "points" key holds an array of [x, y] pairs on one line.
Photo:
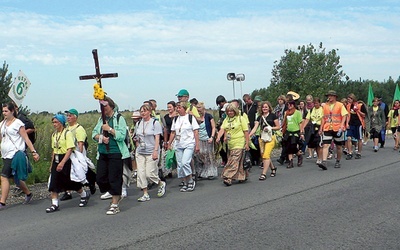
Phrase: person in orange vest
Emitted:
{"points": [[355, 125], [332, 127]]}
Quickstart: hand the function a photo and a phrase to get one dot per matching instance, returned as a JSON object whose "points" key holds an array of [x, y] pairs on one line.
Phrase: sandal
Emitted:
{"points": [[273, 172], [262, 177], [52, 208], [84, 200], [227, 183]]}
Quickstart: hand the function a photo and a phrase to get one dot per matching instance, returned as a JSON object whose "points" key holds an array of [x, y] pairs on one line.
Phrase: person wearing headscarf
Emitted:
{"points": [[62, 143], [13, 139]]}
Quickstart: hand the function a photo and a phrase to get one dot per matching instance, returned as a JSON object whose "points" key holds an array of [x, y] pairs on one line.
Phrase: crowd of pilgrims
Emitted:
{"points": [[190, 143]]}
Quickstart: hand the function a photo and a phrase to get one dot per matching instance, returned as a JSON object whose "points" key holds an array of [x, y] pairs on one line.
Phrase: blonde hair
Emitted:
{"points": [[282, 97], [182, 104], [200, 105], [146, 107], [232, 107]]}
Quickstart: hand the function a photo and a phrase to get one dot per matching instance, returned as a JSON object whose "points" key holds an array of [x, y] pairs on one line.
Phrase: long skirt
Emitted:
{"points": [[204, 161], [61, 181], [233, 169]]}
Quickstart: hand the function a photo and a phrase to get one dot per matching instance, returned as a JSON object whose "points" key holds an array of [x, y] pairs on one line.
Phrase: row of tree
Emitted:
{"points": [[306, 70], [311, 70]]}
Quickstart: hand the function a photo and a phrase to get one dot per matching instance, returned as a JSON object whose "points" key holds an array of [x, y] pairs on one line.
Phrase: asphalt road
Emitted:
{"points": [[354, 207]]}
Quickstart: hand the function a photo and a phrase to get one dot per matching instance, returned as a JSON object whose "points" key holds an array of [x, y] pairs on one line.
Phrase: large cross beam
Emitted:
{"points": [[98, 76]]}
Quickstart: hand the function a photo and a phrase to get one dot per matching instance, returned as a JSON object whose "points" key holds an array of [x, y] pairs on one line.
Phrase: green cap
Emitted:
{"points": [[183, 92], [72, 111]]}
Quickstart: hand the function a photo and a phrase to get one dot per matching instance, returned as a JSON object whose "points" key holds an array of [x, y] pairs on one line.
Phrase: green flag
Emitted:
{"points": [[370, 95], [396, 93]]}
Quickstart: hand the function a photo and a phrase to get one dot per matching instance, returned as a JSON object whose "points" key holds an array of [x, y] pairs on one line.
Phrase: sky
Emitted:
{"points": [[160, 47]]}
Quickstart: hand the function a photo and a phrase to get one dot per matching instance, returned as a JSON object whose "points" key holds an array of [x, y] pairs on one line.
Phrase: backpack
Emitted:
{"points": [[28, 125], [85, 143], [190, 118], [128, 139]]}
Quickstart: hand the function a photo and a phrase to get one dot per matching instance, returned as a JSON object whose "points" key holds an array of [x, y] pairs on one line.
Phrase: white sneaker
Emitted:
{"points": [[106, 196], [124, 194], [161, 189], [144, 198]]}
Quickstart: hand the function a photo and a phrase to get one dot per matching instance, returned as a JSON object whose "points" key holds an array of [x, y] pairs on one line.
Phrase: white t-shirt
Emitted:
{"points": [[146, 131], [184, 131], [11, 140]]}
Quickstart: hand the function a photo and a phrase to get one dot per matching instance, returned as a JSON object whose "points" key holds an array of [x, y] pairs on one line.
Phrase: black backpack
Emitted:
{"points": [[28, 125], [85, 143], [190, 118]]}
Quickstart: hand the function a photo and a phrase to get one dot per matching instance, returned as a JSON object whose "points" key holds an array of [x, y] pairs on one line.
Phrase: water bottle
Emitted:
{"points": [[339, 133]]}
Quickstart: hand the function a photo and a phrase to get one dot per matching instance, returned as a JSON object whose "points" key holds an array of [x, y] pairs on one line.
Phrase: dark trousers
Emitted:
{"points": [[284, 151], [255, 153], [91, 176], [109, 173]]}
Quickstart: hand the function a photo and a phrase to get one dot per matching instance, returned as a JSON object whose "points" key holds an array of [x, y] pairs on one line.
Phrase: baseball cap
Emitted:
{"points": [[183, 92], [72, 111]]}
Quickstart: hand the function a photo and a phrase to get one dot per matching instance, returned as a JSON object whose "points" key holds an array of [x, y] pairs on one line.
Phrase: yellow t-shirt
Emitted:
{"points": [[78, 133], [62, 141], [393, 120], [315, 115], [235, 128], [194, 110]]}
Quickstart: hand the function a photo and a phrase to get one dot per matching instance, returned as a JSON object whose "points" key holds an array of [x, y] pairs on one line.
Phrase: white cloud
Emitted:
{"points": [[144, 46]]}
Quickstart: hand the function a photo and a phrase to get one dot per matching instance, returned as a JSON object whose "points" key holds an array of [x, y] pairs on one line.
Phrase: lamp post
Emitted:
{"points": [[236, 77], [240, 78], [232, 77]]}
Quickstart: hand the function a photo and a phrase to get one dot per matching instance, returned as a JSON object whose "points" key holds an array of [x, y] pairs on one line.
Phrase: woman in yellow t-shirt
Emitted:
{"points": [[393, 121], [235, 131], [62, 143]]}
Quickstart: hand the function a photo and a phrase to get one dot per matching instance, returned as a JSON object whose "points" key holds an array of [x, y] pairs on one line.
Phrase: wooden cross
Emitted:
{"points": [[98, 77]]}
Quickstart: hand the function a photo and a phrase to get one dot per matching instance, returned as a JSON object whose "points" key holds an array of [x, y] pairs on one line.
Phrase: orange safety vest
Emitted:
{"points": [[362, 119], [333, 118]]}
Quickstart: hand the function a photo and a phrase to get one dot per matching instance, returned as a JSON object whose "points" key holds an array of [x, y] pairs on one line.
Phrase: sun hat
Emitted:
{"points": [[331, 92], [135, 114], [293, 94]]}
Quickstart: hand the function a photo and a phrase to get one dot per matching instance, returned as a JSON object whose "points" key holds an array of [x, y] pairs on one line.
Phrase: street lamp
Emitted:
{"points": [[240, 78], [232, 77], [236, 77]]}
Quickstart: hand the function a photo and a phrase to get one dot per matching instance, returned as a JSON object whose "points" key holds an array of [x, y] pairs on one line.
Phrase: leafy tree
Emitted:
{"points": [[5, 83], [308, 70]]}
